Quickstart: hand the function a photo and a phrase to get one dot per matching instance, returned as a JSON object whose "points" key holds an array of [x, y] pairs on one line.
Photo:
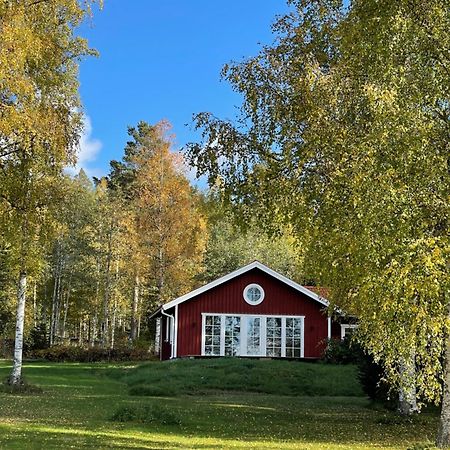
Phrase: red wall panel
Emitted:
{"points": [[228, 299]]}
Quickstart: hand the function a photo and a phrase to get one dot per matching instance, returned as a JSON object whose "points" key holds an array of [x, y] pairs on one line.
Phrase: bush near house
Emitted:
{"points": [[94, 354], [370, 373]]}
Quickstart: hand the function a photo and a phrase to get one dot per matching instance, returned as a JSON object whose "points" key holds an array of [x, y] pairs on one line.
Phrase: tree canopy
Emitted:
{"points": [[344, 135]]}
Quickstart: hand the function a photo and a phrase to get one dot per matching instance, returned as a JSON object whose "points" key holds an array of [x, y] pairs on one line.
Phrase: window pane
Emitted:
{"points": [[293, 337], [232, 336], [253, 335], [273, 337], [212, 335]]}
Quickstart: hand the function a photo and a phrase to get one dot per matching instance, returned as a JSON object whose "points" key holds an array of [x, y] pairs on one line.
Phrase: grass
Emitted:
{"points": [[88, 406], [188, 377]]}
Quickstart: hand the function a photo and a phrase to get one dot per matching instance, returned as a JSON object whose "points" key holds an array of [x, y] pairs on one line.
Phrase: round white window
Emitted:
{"points": [[254, 294]]}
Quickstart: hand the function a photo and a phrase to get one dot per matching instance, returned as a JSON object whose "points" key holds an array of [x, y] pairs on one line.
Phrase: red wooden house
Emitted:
{"points": [[253, 311]]}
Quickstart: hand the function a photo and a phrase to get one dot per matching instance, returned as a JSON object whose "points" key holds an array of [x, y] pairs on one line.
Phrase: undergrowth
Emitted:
{"points": [[146, 414]]}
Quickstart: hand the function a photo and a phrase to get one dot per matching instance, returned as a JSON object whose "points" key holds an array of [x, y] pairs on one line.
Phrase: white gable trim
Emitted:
{"points": [[242, 270]]}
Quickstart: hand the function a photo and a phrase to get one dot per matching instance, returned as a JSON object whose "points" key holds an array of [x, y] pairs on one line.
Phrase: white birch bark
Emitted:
{"points": [[80, 333], [94, 330], [443, 437], [407, 403], [55, 300], [114, 315], [35, 304], [16, 374], [113, 325], [139, 327], [106, 307], [134, 309]]}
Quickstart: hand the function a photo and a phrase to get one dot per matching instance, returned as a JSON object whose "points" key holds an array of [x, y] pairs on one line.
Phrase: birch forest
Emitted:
{"points": [[122, 245]]}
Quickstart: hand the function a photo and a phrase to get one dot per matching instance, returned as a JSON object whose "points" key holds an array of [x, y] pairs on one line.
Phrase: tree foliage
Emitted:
{"points": [[231, 245], [344, 135], [39, 128]]}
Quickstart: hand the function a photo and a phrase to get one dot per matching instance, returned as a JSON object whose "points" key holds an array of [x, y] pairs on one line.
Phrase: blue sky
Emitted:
{"points": [[162, 60]]}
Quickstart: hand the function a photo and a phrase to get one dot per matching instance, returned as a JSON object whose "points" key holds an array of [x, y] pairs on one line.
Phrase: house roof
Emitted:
{"points": [[236, 273]]}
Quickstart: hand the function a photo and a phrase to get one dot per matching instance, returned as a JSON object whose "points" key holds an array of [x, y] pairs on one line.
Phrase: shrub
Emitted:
{"points": [[146, 414], [342, 351], [37, 339], [124, 414], [370, 375], [94, 354], [152, 391]]}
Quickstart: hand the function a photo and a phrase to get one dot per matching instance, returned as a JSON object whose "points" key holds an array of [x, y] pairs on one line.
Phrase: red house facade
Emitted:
{"points": [[253, 311]]}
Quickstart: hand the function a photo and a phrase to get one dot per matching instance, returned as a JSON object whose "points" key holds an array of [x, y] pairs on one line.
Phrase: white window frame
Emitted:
{"points": [[168, 328], [263, 333], [250, 286], [158, 336], [347, 326]]}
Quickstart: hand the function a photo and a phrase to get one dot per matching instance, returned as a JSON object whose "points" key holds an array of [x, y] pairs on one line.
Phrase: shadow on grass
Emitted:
{"points": [[76, 438], [67, 416]]}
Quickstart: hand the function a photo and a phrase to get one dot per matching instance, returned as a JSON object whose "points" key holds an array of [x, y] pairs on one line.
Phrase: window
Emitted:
{"points": [[347, 330], [254, 294], [232, 336], [293, 337], [212, 335], [273, 336], [158, 335], [252, 335]]}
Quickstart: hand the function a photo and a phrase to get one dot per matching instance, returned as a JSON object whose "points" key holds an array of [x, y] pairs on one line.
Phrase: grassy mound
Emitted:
{"points": [[193, 377]]}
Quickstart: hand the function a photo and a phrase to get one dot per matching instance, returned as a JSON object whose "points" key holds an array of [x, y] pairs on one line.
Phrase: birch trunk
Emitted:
{"points": [[66, 307], [97, 300], [16, 374], [53, 316], [114, 315], [134, 309], [35, 304], [57, 332], [106, 324], [113, 324], [407, 401], [94, 330], [55, 302], [443, 437], [80, 333]]}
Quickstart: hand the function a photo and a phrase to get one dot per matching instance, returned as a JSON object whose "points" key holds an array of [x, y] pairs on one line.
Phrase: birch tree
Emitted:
{"points": [[344, 135], [39, 127], [165, 224]]}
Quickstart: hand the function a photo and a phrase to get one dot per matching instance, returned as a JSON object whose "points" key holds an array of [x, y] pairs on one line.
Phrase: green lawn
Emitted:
{"points": [[79, 400]]}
